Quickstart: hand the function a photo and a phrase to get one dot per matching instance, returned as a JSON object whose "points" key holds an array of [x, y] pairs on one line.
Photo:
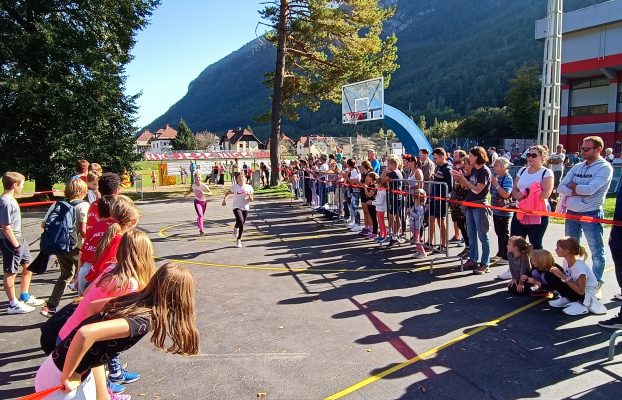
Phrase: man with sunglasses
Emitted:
{"points": [[584, 189]]}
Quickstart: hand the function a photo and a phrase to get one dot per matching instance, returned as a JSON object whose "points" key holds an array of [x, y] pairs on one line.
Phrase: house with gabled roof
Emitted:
{"points": [[156, 142], [241, 140], [286, 144], [315, 145]]}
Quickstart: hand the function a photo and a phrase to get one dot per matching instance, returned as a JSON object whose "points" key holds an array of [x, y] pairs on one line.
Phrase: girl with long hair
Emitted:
{"points": [[575, 281], [165, 307], [201, 191], [518, 254], [242, 197]]}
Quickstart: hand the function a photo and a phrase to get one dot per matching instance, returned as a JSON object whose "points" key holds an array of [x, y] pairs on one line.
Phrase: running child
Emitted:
{"points": [[201, 191], [519, 252], [165, 307], [15, 250], [575, 281], [242, 197], [153, 180]]}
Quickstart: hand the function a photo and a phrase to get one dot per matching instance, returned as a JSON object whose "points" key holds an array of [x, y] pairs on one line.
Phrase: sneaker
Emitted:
{"points": [[560, 302], [389, 242], [19, 308], [439, 250], [617, 297], [481, 269], [541, 293], [372, 236], [428, 246], [502, 262], [238, 243], [455, 240], [355, 228], [470, 264], [380, 239], [47, 311], [350, 225], [613, 323], [575, 308], [597, 308], [115, 388], [464, 253], [420, 255], [599, 291], [201, 233], [34, 301], [401, 240], [364, 232], [507, 275], [495, 259], [124, 377]]}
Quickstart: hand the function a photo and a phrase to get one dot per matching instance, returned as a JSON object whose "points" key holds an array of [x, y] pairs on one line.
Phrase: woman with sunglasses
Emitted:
{"points": [[523, 224]]}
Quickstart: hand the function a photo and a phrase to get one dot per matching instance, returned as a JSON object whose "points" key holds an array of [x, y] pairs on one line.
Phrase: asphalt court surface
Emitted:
{"points": [[307, 310]]}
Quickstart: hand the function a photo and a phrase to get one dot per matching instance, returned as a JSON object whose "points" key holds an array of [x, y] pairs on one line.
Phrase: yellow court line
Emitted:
{"points": [[296, 270], [430, 352]]}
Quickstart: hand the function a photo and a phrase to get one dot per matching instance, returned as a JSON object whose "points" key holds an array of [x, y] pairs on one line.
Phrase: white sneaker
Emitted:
{"points": [[238, 243], [560, 302], [351, 225], [34, 301], [19, 308], [355, 228], [575, 309], [599, 291], [507, 275], [495, 259], [597, 308]]}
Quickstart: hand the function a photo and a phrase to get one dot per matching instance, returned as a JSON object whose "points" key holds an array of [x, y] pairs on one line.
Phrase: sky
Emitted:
{"points": [[183, 38]]}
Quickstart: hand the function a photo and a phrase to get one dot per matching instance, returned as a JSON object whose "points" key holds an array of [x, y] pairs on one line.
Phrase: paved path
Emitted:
{"points": [[357, 312]]}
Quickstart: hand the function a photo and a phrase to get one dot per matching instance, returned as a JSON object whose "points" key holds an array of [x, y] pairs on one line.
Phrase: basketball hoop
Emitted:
{"points": [[353, 117]]}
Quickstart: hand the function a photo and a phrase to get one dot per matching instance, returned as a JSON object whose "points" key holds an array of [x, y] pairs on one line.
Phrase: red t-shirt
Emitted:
{"points": [[92, 217], [107, 257], [93, 237]]}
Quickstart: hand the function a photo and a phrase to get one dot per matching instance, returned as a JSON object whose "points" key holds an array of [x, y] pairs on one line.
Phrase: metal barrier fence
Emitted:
{"points": [[422, 220]]}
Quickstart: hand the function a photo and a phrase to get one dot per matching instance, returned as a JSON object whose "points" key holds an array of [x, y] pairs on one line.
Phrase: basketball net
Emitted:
{"points": [[352, 118]]}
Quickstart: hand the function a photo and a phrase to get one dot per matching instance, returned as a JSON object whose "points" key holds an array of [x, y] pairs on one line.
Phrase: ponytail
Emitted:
{"points": [[573, 246], [522, 245], [112, 231]]}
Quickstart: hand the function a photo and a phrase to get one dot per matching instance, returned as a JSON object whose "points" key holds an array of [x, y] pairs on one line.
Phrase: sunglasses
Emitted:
{"points": [[587, 148], [532, 155]]}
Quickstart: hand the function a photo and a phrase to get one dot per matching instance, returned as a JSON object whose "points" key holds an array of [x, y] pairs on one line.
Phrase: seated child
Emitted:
{"points": [[542, 261], [519, 252]]}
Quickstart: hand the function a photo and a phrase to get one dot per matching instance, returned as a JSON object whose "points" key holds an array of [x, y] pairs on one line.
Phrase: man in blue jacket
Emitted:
{"points": [[584, 189]]}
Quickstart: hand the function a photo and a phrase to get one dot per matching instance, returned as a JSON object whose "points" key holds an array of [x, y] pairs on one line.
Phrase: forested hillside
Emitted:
{"points": [[454, 56]]}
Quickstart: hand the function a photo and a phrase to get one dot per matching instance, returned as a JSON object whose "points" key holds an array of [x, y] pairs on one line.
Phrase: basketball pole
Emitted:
{"points": [[550, 95]]}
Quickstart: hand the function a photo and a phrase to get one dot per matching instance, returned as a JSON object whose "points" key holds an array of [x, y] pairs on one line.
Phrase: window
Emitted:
{"points": [[589, 110], [620, 97], [619, 127], [590, 82]]}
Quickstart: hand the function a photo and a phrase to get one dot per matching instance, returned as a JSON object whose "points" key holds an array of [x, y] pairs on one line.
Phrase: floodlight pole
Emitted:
{"points": [[550, 95]]}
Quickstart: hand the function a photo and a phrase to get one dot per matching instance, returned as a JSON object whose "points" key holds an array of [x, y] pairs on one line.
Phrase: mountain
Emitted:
{"points": [[454, 56]]}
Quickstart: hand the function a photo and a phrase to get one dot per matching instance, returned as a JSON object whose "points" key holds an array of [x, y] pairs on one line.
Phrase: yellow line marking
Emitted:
{"points": [[296, 270], [430, 352]]}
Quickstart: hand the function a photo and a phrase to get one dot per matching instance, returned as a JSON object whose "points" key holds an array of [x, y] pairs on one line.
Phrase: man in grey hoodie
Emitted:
{"points": [[585, 187]]}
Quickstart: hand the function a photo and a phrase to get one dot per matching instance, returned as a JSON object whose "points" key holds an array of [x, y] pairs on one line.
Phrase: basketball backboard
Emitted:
{"points": [[362, 101]]}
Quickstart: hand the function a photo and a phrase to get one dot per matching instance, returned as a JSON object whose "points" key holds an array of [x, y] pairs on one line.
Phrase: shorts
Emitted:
{"points": [[438, 208], [12, 258]]}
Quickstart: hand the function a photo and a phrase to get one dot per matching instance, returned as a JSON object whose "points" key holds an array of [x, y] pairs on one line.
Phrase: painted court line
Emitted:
{"points": [[430, 352]]}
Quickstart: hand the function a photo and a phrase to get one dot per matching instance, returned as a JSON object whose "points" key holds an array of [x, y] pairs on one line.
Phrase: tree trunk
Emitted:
{"points": [[277, 94], [43, 183]]}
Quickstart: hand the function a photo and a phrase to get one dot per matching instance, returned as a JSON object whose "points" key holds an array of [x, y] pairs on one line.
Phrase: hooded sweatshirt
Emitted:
{"points": [[592, 181]]}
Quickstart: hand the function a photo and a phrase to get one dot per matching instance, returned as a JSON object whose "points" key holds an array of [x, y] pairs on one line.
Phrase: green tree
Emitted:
{"points": [[523, 101], [320, 45], [62, 82], [422, 124], [185, 139], [486, 122]]}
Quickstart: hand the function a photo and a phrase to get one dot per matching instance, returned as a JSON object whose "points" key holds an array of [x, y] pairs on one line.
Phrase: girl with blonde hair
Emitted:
{"points": [[165, 307]]}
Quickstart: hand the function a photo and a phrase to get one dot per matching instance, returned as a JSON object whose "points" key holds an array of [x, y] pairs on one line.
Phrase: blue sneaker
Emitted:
{"points": [[115, 387], [124, 377]]}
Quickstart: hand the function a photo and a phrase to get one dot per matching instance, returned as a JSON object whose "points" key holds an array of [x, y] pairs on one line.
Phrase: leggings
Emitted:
{"points": [[240, 219], [371, 209], [199, 207], [382, 232]]}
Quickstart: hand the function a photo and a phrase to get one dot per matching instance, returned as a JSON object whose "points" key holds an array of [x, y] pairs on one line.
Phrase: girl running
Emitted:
{"points": [[201, 191], [243, 196], [165, 306]]}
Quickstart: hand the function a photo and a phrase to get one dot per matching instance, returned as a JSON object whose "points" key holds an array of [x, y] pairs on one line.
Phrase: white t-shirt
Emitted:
{"points": [[355, 174], [324, 167], [198, 191], [381, 201], [239, 196], [560, 166], [526, 179], [581, 268]]}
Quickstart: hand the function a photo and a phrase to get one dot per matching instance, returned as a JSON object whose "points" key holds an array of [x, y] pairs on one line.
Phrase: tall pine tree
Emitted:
{"points": [[185, 139], [320, 46], [61, 85]]}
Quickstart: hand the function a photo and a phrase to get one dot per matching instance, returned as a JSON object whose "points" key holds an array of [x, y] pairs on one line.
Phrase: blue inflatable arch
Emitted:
{"points": [[406, 130]]}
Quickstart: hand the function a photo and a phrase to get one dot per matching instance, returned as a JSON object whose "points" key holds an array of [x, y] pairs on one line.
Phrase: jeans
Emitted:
{"points": [[502, 229], [82, 282], [478, 226], [593, 234], [534, 232], [354, 207]]}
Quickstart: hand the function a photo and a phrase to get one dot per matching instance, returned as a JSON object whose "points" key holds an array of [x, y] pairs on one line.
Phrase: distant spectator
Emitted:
{"points": [[81, 170], [96, 168], [375, 164], [609, 155], [427, 167], [557, 161], [492, 156]]}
